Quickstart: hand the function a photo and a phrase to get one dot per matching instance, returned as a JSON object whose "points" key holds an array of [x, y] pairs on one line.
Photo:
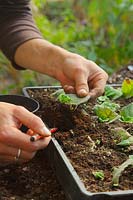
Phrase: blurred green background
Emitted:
{"points": [[100, 30]]}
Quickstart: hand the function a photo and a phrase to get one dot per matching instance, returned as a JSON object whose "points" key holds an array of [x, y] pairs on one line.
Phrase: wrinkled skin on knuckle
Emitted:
{"points": [[37, 120], [4, 133], [80, 70], [17, 110]]}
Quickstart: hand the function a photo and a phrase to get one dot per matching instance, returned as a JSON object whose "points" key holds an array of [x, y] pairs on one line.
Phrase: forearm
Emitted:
{"points": [[41, 56], [16, 26]]}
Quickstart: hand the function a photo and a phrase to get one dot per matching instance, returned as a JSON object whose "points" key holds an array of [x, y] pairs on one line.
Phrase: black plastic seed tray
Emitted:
{"points": [[73, 187]]}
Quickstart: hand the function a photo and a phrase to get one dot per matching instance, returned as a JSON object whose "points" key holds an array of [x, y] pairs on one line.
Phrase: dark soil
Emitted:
{"points": [[36, 180], [76, 130], [120, 75], [31, 181]]}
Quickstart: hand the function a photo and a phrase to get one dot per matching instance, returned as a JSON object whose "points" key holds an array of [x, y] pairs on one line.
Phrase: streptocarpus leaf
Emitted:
{"points": [[118, 170], [105, 114], [112, 93], [126, 113], [71, 99], [127, 88]]}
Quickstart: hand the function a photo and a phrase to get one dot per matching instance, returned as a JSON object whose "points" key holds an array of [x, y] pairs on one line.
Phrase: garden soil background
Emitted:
{"points": [[35, 180]]}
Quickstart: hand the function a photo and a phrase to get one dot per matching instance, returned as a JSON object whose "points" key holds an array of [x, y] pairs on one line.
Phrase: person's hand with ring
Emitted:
{"points": [[14, 144]]}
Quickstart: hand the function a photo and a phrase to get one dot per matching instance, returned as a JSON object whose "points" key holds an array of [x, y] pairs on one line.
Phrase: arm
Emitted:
{"points": [[75, 73], [23, 45]]}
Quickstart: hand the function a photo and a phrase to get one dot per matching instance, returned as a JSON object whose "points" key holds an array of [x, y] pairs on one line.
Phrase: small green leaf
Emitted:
{"points": [[112, 93], [71, 99], [120, 133], [63, 98], [102, 98], [127, 88], [105, 114], [98, 174], [111, 105], [126, 142], [126, 113]]}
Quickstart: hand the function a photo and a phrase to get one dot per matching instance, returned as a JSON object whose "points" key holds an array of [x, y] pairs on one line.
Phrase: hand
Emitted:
{"points": [[81, 76], [12, 139], [76, 74]]}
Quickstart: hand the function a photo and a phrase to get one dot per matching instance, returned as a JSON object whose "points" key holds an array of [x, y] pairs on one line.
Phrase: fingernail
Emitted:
{"points": [[46, 132], [82, 92]]}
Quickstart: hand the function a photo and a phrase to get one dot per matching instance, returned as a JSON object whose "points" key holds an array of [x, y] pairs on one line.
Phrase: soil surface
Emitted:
{"points": [[77, 133], [35, 180], [120, 75]]}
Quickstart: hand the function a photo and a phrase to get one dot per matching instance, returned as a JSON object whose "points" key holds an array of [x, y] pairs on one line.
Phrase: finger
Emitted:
{"points": [[98, 87], [31, 121], [95, 93], [11, 151], [10, 159], [69, 89], [82, 87], [17, 139]]}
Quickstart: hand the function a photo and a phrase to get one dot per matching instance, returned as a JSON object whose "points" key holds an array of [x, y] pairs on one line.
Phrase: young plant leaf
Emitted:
{"points": [[112, 93], [127, 88], [71, 99], [105, 114], [98, 174], [111, 105], [126, 113], [63, 98], [120, 134], [57, 93], [118, 171], [127, 142], [102, 99]]}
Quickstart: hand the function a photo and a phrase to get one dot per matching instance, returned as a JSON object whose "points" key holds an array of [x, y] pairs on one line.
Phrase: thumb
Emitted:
{"points": [[82, 87], [31, 121]]}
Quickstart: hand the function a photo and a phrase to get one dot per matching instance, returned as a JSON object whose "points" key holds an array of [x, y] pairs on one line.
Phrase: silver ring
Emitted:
{"points": [[18, 154], [16, 158]]}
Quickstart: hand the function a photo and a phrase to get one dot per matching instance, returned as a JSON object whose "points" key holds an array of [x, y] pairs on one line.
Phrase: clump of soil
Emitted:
{"points": [[76, 132], [34, 180]]}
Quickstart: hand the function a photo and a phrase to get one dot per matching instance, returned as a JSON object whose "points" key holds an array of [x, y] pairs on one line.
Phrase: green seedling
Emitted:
{"points": [[105, 114], [127, 142], [117, 171], [113, 106], [98, 142], [112, 93], [120, 134], [63, 98], [127, 88], [101, 99], [98, 174], [126, 113], [71, 99]]}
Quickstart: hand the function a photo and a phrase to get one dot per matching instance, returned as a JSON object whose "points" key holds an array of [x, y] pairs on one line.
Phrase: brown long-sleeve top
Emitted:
{"points": [[16, 26]]}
